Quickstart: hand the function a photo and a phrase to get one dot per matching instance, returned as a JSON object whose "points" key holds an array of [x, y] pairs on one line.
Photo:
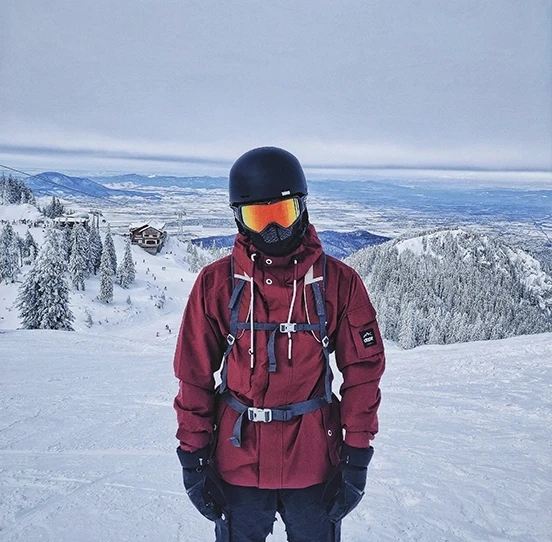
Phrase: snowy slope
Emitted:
{"points": [[87, 445], [87, 427], [24, 211], [164, 275]]}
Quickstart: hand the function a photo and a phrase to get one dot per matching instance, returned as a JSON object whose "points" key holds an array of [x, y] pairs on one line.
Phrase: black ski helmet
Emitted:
{"points": [[266, 173]]}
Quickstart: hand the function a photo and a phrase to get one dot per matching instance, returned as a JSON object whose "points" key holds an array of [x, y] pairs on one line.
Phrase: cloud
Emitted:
{"points": [[341, 84], [317, 157]]}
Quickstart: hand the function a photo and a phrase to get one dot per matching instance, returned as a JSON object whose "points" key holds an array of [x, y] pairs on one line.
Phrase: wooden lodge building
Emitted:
{"points": [[148, 235]]}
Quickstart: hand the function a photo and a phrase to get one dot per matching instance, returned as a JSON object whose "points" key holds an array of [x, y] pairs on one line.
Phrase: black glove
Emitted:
{"points": [[350, 482], [202, 485]]}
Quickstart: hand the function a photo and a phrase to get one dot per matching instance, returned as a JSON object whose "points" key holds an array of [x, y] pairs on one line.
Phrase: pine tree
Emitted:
{"points": [[54, 209], [43, 299], [12, 190], [126, 274], [3, 190], [407, 327], [27, 196], [9, 254], [21, 249], [67, 241], [31, 248], [109, 247], [77, 266], [80, 241], [96, 248], [106, 276]]}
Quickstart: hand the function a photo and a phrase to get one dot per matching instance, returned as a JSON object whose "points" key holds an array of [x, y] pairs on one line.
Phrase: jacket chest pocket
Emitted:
{"points": [[365, 332]]}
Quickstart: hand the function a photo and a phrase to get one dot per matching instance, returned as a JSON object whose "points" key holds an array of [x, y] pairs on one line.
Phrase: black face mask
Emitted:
{"points": [[276, 240]]}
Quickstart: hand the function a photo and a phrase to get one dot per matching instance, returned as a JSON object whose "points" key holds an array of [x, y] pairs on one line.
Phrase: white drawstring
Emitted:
{"points": [[252, 344], [291, 308]]}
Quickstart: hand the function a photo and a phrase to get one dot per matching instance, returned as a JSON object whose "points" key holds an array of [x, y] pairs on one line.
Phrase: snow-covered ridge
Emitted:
{"points": [[419, 245], [481, 249], [454, 286]]}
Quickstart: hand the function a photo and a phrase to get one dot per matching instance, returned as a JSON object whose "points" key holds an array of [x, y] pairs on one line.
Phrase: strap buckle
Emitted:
{"points": [[325, 342], [230, 339], [259, 414], [288, 327]]}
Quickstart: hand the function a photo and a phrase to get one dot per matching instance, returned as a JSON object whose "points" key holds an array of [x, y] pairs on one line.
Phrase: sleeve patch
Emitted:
{"points": [[368, 337]]}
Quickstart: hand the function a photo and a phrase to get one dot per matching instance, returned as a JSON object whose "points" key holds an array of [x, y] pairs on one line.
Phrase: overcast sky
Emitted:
{"points": [[187, 86]]}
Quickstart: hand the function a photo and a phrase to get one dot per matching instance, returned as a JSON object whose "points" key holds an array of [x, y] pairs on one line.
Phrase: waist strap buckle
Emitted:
{"points": [[288, 327], [259, 414]]}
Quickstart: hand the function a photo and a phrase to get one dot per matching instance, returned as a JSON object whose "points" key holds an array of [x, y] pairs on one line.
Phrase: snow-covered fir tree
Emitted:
{"points": [[9, 254], [96, 248], [67, 241], [454, 286], [126, 273], [31, 248], [54, 209], [77, 266], [199, 257], [106, 277], [109, 247], [14, 191], [43, 299], [20, 248], [80, 241]]}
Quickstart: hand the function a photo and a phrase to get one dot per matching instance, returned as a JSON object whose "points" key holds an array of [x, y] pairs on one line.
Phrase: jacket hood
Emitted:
{"points": [[306, 254]]}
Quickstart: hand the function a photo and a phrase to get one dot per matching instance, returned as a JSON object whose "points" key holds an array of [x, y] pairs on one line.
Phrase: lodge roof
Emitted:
{"points": [[156, 225]]}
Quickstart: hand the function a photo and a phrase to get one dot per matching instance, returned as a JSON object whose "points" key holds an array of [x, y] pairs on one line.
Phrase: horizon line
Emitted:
{"points": [[187, 159]]}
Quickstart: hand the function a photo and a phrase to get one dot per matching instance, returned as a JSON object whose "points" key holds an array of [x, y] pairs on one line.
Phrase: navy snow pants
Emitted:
{"points": [[251, 512]]}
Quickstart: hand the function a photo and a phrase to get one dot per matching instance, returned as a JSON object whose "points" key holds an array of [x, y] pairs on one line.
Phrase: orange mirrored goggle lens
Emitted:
{"points": [[258, 216]]}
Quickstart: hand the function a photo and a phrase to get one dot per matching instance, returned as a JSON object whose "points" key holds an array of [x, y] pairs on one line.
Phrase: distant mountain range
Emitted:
{"points": [[338, 244], [131, 180], [58, 184], [454, 201]]}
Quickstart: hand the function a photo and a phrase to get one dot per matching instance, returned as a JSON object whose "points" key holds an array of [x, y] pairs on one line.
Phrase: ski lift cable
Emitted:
{"points": [[70, 188]]}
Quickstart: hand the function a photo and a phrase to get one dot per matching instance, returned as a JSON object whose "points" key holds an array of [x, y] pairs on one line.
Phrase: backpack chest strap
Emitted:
{"points": [[285, 327]]}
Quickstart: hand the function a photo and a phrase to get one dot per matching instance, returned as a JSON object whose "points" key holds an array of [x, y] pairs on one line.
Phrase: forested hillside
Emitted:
{"points": [[454, 286]]}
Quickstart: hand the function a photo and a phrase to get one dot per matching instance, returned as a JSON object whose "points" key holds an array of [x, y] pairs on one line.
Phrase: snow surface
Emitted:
{"points": [[25, 211], [87, 445]]}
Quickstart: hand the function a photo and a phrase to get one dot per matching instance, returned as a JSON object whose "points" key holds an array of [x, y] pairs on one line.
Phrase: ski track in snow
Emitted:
{"points": [[87, 443]]}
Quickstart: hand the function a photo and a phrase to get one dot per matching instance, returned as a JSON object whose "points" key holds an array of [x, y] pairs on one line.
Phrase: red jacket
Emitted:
{"points": [[279, 454]]}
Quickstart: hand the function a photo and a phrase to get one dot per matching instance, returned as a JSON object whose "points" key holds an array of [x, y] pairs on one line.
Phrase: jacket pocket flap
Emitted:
{"points": [[362, 315]]}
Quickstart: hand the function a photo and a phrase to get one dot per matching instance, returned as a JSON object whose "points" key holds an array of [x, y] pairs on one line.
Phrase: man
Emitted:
{"points": [[270, 437]]}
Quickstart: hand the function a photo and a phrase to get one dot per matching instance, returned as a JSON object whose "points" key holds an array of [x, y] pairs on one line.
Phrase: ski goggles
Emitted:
{"points": [[257, 216]]}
